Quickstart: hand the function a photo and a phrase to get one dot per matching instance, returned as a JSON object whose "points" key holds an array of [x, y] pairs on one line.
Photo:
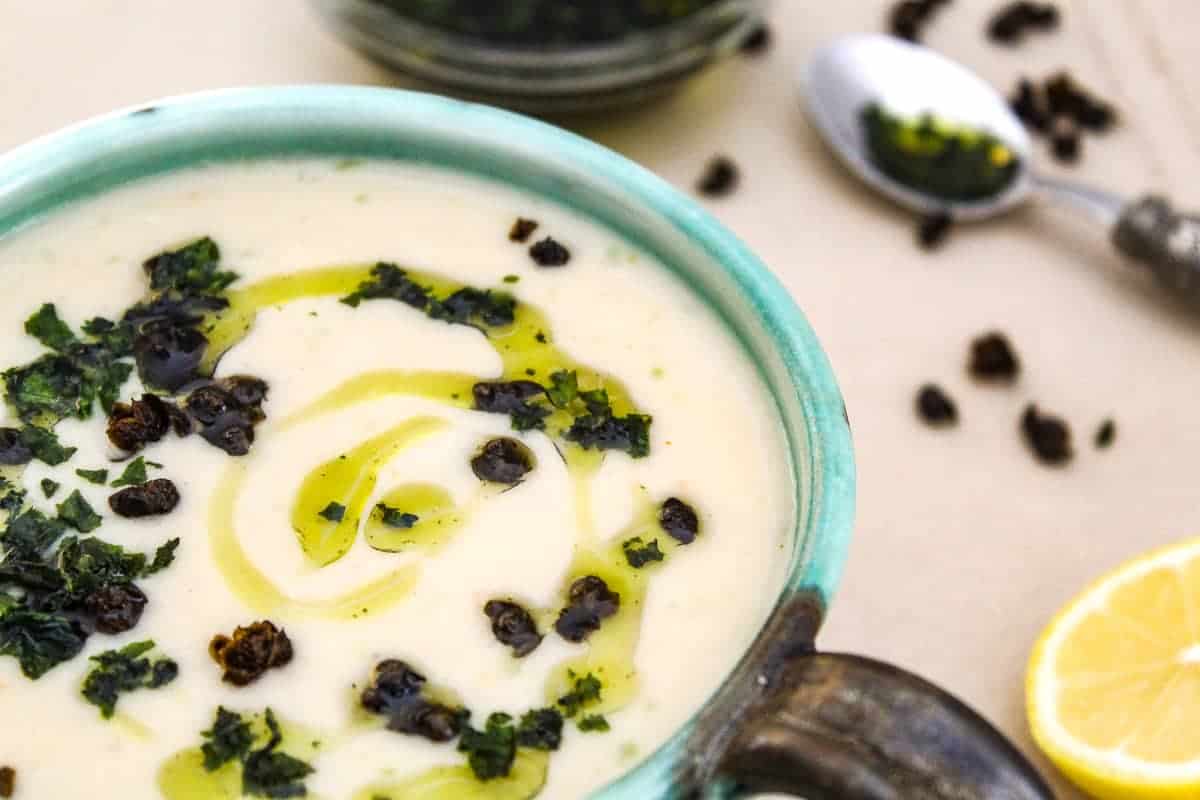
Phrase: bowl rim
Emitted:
{"points": [[45, 169]]}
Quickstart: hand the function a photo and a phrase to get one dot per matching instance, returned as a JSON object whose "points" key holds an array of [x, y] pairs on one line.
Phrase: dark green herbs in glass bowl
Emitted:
{"points": [[547, 56]]}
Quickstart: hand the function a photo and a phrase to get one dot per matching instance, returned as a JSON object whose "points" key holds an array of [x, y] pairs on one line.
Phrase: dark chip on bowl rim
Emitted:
{"points": [[935, 407]]}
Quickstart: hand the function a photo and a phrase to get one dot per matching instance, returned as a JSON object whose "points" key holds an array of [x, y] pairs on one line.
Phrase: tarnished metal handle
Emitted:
{"points": [[829, 726], [1150, 231]]}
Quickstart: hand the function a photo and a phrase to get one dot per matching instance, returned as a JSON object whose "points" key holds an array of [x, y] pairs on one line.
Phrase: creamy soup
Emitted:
{"points": [[538, 474]]}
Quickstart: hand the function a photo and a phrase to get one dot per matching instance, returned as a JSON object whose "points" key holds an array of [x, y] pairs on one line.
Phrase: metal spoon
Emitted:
{"points": [[910, 80]]}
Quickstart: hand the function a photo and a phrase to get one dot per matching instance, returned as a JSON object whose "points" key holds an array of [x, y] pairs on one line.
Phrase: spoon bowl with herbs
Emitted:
{"points": [[934, 137]]}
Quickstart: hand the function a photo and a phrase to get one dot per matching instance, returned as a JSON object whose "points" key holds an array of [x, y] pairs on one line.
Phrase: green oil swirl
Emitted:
{"points": [[348, 480], [438, 519], [261, 594], [526, 780]]}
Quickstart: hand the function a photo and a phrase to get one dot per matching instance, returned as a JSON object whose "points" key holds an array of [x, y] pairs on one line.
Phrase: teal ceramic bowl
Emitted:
{"points": [[715, 753]]}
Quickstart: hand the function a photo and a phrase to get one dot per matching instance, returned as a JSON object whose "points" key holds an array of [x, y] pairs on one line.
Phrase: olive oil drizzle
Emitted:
{"points": [[348, 480], [527, 351], [609, 652], [437, 519], [261, 594], [526, 780]]}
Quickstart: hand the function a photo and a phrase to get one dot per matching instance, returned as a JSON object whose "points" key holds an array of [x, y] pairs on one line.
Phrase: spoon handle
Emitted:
{"points": [[1153, 233]]}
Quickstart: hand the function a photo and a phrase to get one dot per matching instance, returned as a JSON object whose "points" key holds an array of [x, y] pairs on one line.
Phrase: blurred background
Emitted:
{"points": [[965, 544]]}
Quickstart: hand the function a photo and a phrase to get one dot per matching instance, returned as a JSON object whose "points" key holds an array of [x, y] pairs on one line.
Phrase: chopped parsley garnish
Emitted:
{"points": [[599, 428], [161, 334], [46, 326], [266, 771], [78, 513], [593, 723], [192, 269], [563, 389], [585, 692], [512, 278], [164, 556], [66, 385], [594, 424], [93, 475], [334, 512], [134, 474], [395, 518], [125, 670], [479, 308], [49, 487], [50, 599], [45, 445], [490, 752], [540, 729], [639, 553], [229, 737], [38, 640]]}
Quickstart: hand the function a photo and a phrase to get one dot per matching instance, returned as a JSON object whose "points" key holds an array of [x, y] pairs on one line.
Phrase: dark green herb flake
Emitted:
{"points": [[563, 389], [49, 487], [334, 512], [46, 326], [395, 518], [639, 553], [540, 729], [99, 476], [78, 513], [45, 445], [267, 772], [229, 738], [490, 752], [133, 475], [38, 640], [480, 308], [585, 692], [164, 556], [192, 269], [120, 671], [593, 723]]}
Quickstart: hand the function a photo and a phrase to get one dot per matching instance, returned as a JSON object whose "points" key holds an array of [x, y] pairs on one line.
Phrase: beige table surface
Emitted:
{"points": [[964, 547]]}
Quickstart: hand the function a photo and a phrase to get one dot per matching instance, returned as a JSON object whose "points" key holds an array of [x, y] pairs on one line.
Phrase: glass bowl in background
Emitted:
{"points": [[531, 69]]}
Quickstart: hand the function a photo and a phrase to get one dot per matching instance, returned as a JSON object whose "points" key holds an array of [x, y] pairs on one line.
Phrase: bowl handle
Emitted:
{"points": [[830, 726]]}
